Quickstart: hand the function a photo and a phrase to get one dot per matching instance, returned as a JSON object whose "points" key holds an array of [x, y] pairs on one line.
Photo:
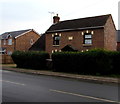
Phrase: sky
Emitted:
{"points": [[36, 14]]}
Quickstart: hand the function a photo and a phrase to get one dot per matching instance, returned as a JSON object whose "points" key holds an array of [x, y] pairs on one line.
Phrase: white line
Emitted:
{"points": [[5, 71], [85, 96], [13, 82]]}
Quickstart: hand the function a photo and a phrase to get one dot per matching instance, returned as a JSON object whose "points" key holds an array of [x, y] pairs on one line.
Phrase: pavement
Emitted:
{"points": [[97, 79]]}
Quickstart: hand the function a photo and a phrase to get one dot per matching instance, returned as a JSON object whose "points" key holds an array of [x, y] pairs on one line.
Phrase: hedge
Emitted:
{"points": [[30, 59], [93, 62]]}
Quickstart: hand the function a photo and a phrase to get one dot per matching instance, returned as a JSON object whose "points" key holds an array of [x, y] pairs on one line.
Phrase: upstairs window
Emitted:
{"points": [[31, 42], [4, 42], [56, 40], [9, 41], [87, 38]]}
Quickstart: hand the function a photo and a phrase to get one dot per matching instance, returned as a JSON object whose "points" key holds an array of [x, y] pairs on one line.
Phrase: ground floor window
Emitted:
{"points": [[9, 52], [2, 51]]}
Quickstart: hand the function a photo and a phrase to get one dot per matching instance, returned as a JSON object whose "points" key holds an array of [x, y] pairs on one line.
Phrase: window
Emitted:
{"points": [[9, 41], [56, 40], [9, 53], [87, 38], [4, 42], [2, 51], [31, 42], [53, 51], [0, 42], [70, 38]]}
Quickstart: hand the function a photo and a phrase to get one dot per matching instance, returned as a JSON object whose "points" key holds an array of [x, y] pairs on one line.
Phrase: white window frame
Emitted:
{"points": [[4, 42], [9, 41], [0, 42], [9, 52], [31, 42], [88, 41], [70, 38], [87, 38], [56, 40]]}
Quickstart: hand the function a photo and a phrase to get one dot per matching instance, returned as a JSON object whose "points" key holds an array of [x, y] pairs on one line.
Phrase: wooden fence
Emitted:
{"points": [[6, 59]]}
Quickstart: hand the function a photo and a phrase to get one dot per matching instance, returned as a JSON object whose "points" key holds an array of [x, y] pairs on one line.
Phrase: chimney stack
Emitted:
{"points": [[56, 19]]}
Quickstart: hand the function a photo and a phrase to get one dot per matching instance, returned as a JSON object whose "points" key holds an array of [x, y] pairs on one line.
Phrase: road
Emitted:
{"points": [[20, 87]]}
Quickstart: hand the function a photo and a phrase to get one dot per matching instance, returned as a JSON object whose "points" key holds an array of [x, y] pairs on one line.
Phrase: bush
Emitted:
{"points": [[30, 59], [93, 62], [115, 57]]}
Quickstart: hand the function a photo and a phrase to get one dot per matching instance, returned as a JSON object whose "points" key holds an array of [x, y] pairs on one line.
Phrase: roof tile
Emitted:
{"points": [[81, 23], [13, 33]]}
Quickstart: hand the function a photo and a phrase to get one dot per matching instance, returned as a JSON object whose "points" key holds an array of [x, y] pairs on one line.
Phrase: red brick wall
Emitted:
{"points": [[110, 35], [77, 42], [23, 42], [6, 59], [118, 46]]}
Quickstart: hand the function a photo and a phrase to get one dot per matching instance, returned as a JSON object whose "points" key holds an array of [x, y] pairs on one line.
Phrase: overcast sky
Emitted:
{"points": [[34, 14]]}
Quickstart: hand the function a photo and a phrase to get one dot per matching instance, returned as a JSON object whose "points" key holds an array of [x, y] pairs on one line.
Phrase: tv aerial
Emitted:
{"points": [[52, 13]]}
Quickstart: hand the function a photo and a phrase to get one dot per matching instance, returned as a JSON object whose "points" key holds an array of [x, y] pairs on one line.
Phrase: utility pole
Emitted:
{"points": [[51, 16]]}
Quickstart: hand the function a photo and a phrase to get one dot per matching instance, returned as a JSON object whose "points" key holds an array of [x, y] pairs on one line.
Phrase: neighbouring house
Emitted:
{"points": [[18, 40], [81, 34], [118, 40]]}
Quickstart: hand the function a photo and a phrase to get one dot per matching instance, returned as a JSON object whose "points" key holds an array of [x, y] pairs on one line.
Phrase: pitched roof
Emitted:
{"points": [[118, 35], [13, 33], [39, 45], [69, 48], [81, 23]]}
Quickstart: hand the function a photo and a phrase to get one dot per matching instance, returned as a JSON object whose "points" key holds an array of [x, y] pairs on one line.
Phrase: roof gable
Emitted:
{"points": [[81, 23], [14, 34], [69, 48], [39, 45]]}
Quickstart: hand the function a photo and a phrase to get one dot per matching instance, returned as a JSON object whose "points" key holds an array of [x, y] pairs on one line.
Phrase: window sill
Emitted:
{"points": [[56, 45], [86, 45]]}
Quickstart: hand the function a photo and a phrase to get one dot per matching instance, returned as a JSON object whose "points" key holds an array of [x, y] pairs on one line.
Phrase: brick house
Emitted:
{"points": [[81, 34], [18, 40], [118, 40]]}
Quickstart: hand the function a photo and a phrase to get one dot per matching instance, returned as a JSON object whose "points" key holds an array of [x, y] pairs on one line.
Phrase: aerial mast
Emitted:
{"points": [[51, 16]]}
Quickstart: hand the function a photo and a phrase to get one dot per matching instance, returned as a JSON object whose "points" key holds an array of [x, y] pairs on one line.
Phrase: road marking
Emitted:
{"points": [[5, 71], [85, 96], [12, 82]]}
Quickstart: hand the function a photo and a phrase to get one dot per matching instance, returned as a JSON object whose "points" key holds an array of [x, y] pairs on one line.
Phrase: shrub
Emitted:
{"points": [[93, 62], [98, 61], [61, 62], [115, 57], [30, 59]]}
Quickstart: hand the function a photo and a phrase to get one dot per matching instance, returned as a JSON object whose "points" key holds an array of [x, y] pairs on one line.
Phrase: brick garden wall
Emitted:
{"points": [[6, 59]]}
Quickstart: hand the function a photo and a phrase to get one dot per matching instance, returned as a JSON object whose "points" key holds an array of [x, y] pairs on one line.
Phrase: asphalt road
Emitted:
{"points": [[20, 87]]}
